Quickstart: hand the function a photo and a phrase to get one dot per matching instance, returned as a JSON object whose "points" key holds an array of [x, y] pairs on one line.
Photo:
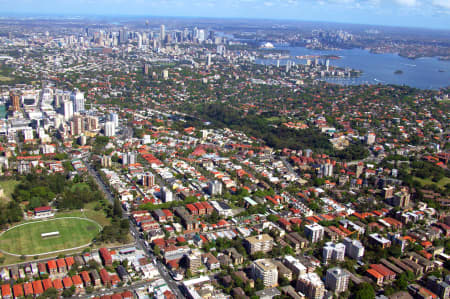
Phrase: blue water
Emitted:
{"points": [[421, 73]]}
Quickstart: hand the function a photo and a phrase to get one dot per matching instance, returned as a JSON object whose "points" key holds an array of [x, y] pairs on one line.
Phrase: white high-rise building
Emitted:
{"points": [[129, 158], [267, 271], [162, 33], [370, 138], [208, 63], [215, 188], [114, 117], [314, 232], [68, 110], [337, 280], [354, 248], [110, 129], [166, 195], [77, 98], [334, 252], [28, 134], [201, 35]]}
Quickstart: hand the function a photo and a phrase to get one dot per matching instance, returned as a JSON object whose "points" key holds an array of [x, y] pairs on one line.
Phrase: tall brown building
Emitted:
{"points": [[15, 101]]}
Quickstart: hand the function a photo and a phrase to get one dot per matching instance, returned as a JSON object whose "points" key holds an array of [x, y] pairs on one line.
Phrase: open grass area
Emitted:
{"points": [[88, 212], [8, 187], [444, 181], [26, 239], [5, 79]]}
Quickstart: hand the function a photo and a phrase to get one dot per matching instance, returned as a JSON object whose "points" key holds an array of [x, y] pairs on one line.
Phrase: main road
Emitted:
{"points": [[140, 244]]}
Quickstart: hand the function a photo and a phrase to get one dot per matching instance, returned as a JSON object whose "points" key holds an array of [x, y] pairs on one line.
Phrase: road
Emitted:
{"points": [[288, 166], [163, 272]]}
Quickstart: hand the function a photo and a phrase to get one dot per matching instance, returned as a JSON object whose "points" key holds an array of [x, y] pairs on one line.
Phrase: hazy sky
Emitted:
{"points": [[416, 13]]}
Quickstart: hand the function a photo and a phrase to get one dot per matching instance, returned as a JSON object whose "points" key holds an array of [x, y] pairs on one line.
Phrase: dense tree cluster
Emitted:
{"points": [[255, 125]]}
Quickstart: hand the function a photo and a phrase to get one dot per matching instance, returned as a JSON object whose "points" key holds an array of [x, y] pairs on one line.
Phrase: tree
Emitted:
{"points": [[402, 282], [156, 250], [365, 291], [69, 292], [259, 284], [117, 209], [50, 293]]}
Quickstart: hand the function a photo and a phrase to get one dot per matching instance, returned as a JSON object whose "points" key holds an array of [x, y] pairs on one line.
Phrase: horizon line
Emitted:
{"points": [[96, 15]]}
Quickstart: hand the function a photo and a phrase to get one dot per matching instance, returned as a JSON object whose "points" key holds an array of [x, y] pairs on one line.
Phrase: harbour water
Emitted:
{"points": [[424, 73]]}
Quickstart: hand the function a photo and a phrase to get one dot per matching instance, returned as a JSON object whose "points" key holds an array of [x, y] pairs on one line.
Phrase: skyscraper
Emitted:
{"points": [[77, 125], [162, 33], [123, 36], [110, 129], [15, 101], [77, 98], [68, 110]]}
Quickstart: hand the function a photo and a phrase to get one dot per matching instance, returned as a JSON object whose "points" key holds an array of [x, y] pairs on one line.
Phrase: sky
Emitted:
{"points": [[409, 13]]}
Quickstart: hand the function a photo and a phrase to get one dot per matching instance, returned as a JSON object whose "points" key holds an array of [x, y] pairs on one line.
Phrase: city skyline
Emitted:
{"points": [[406, 13]]}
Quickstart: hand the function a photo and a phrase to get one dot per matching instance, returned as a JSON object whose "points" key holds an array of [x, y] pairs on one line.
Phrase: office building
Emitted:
{"points": [[314, 232], [123, 36], [77, 99], [337, 279], [257, 243], [265, 270], [162, 33]]}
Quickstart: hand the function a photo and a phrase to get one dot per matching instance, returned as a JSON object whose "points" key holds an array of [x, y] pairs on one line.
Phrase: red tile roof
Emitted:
{"points": [[57, 284], [77, 280], [47, 283], [28, 288], [37, 287], [51, 264], [6, 290], [18, 290], [67, 281]]}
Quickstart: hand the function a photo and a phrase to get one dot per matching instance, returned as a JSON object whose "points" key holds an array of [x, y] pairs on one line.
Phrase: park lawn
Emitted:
{"points": [[8, 187], [3, 78], [442, 182], [88, 212], [27, 240]]}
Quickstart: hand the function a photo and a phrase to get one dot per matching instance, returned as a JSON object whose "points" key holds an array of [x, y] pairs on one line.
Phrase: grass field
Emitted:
{"points": [[444, 181], [26, 239], [88, 212], [8, 188], [4, 79]]}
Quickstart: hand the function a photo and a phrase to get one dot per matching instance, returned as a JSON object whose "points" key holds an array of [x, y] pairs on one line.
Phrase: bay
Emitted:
{"points": [[423, 73]]}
